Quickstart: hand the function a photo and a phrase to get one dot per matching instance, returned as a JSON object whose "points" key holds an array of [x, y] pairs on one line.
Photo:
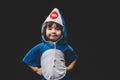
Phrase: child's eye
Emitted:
{"points": [[57, 28], [49, 28]]}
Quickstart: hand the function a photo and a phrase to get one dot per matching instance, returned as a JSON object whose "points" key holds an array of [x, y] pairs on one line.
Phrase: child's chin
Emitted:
{"points": [[54, 40]]}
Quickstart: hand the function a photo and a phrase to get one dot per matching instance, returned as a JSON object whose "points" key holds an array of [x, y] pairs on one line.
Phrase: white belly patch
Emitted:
{"points": [[53, 64]]}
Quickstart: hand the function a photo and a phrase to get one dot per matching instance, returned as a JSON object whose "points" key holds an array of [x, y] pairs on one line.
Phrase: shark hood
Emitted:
{"points": [[54, 16]]}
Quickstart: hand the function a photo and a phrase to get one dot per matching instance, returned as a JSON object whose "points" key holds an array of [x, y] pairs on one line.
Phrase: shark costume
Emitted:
{"points": [[52, 57]]}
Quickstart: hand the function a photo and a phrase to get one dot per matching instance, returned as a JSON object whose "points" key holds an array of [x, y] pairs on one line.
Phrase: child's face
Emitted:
{"points": [[53, 33]]}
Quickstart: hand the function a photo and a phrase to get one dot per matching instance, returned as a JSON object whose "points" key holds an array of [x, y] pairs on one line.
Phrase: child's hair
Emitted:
{"points": [[49, 24]]}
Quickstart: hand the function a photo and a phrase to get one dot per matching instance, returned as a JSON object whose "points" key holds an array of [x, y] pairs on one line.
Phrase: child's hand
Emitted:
{"points": [[39, 71], [36, 69], [67, 68], [71, 65]]}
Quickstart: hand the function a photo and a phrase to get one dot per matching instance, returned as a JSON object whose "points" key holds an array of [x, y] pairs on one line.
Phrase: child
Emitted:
{"points": [[53, 57]]}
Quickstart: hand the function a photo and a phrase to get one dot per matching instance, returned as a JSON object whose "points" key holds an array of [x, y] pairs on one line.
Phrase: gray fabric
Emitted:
{"points": [[53, 64]]}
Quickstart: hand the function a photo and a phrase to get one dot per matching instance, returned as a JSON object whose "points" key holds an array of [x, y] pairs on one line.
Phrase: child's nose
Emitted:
{"points": [[53, 31]]}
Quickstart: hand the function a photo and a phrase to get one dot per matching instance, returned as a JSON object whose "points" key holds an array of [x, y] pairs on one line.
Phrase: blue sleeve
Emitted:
{"points": [[70, 55], [32, 57]]}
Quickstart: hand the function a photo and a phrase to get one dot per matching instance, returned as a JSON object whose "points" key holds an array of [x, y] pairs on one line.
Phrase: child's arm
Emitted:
{"points": [[36, 69], [71, 65]]}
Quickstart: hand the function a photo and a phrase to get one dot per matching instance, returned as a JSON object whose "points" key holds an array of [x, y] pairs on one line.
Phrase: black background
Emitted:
{"points": [[91, 31]]}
